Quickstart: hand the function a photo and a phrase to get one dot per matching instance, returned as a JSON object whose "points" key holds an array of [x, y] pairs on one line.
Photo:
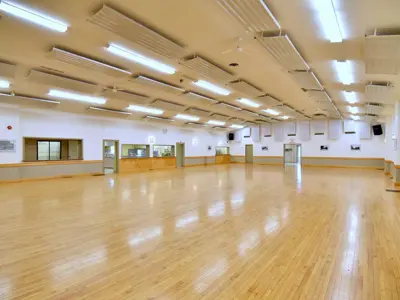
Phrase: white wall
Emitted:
{"points": [[50, 124], [374, 147]]}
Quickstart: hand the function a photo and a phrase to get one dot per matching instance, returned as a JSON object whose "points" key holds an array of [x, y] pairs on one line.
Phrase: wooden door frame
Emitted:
{"points": [[294, 144], [116, 153], [183, 154], [252, 154]]}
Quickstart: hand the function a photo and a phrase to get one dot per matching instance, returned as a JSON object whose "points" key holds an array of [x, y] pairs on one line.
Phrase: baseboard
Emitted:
{"points": [[341, 167], [50, 177]]}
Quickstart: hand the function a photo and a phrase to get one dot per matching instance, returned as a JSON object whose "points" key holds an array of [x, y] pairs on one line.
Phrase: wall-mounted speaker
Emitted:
{"points": [[231, 136], [377, 129]]}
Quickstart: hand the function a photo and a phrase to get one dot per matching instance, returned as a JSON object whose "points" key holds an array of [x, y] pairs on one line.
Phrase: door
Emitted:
{"points": [[180, 155], [110, 156], [249, 154], [292, 153]]}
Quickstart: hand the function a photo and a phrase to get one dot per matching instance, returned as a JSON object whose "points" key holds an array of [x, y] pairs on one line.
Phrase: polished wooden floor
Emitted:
{"points": [[219, 232]]}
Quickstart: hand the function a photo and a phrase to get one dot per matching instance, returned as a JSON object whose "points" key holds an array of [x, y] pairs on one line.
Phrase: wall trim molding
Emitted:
{"points": [[50, 177], [50, 163]]}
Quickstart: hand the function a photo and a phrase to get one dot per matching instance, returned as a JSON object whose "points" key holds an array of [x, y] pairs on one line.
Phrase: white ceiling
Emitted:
{"points": [[206, 30]]}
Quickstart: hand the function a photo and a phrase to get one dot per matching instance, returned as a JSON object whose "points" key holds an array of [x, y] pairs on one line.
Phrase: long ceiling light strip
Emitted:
{"points": [[343, 71], [271, 112], [129, 29], [329, 20], [254, 15], [86, 63], [187, 117], [147, 110], [236, 126], [140, 59], [248, 102], [76, 96], [33, 16], [159, 118], [215, 122], [212, 88], [110, 110]]}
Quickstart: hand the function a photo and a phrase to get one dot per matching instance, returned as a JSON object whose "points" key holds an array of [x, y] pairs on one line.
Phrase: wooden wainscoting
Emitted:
{"points": [[127, 165], [222, 159]]}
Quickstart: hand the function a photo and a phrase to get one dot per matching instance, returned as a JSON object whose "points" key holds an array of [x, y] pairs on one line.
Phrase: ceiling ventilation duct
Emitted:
{"points": [[86, 63], [201, 99], [254, 15], [167, 105], [282, 49], [52, 80], [158, 85], [245, 88], [198, 112], [208, 69], [228, 106], [307, 80], [382, 54], [374, 108], [319, 96], [268, 101], [220, 117], [378, 92], [126, 96], [130, 29]]}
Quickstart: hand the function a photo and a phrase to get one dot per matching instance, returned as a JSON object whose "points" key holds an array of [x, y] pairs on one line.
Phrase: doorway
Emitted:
{"points": [[180, 155], [110, 156], [249, 154], [292, 153]]}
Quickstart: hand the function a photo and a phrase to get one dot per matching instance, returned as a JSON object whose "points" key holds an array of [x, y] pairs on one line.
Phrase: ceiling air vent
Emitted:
{"points": [[201, 99], [254, 15], [167, 105], [245, 88], [319, 96], [378, 92], [86, 63], [126, 96], [208, 69], [220, 117], [374, 108], [52, 80], [282, 49], [132, 30], [307, 80], [268, 101], [382, 54], [198, 112]]}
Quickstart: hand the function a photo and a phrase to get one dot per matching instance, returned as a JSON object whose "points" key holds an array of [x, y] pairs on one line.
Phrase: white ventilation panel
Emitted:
{"points": [[7, 70], [365, 130], [161, 86], [245, 88], [378, 93], [382, 46], [370, 118], [382, 66], [220, 117], [318, 127], [278, 132], [126, 96], [334, 129], [374, 108], [133, 31], [307, 80], [268, 101], [199, 98], [283, 50], [198, 112], [167, 105], [303, 130], [319, 96], [86, 63], [253, 15], [61, 82], [208, 69]]}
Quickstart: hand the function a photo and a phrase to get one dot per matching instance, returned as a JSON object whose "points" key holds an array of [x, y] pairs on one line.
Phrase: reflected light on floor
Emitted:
{"points": [[217, 209], [145, 235], [186, 220], [250, 240], [210, 274], [5, 288], [271, 225]]}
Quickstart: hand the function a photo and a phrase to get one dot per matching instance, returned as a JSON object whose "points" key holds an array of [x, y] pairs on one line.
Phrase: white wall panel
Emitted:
{"points": [[278, 132], [266, 130], [365, 130], [303, 131], [334, 129], [349, 126], [290, 128], [318, 127]]}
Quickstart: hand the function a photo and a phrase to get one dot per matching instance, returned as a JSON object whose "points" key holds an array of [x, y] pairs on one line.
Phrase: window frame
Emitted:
{"points": [[49, 141]]}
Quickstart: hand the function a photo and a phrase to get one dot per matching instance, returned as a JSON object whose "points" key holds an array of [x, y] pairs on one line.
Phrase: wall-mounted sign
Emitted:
{"points": [[355, 147], [209, 148], [7, 145], [324, 148], [264, 148]]}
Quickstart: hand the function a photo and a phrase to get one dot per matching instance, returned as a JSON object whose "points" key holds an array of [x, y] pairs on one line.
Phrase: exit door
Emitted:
{"points": [[249, 154], [292, 153], [180, 155]]}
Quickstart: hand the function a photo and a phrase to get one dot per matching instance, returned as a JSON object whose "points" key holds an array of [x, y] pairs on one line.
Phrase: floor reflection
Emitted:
{"points": [[145, 235], [209, 274]]}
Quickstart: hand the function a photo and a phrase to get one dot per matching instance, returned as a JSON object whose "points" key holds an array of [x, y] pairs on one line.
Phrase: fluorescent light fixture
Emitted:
{"points": [[248, 102], [214, 122], [37, 99], [351, 97], [159, 118], [237, 126], [110, 110], [77, 97], [343, 71], [187, 117], [355, 117], [4, 84], [140, 59], [211, 87], [284, 117], [147, 110], [328, 19], [271, 112], [33, 16], [353, 109], [196, 124]]}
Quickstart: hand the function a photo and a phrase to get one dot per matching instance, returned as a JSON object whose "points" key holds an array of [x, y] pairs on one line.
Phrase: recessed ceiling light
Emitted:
{"points": [[4, 84], [271, 112], [355, 117], [211, 87], [187, 117], [284, 117], [76, 96], [248, 102], [237, 126], [351, 97], [33, 16], [147, 110], [329, 20], [140, 59], [353, 109], [343, 71], [214, 122]]}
